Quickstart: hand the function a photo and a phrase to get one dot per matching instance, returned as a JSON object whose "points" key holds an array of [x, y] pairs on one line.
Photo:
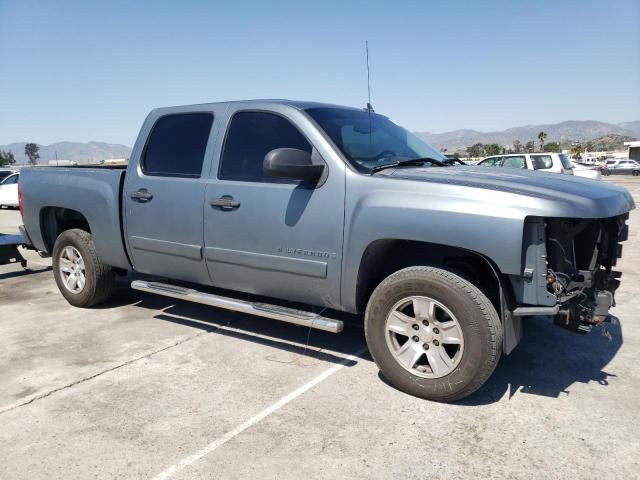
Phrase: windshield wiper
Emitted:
{"points": [[407, 163]]}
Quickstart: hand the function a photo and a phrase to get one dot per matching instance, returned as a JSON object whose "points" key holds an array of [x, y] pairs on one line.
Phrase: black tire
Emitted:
{"points": [[99, 278], [635, 173], [476, 315], [606, 172]]}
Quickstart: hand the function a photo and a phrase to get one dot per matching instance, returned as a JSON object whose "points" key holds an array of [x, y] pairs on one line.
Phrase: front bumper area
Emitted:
{"points": [[567, 270]]}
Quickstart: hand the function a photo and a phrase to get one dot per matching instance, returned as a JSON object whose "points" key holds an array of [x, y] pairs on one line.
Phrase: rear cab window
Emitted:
{"points": [[541, 162], [177, 144]]}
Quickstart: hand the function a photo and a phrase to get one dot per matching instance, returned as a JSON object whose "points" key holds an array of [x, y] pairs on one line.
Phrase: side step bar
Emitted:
{"points": [[284, 314]]}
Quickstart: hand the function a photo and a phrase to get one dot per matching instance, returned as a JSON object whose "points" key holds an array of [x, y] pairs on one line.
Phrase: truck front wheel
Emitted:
{"points": [[80, 275], [432, 333]]}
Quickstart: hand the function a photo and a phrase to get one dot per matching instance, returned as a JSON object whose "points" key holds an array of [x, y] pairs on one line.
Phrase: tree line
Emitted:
{"points": [[31, 150], [487, 150]]}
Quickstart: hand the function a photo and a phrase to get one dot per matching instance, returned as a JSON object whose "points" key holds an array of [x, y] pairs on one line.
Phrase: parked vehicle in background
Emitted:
{"points": [[621, 167], [9, 191], [453, 162], [586, 171], [340, 209], [545, 162], [4, 173]]}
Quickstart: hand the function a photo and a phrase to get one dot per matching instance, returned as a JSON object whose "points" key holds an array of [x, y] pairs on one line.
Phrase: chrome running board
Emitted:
{"points": [[284, 314]]}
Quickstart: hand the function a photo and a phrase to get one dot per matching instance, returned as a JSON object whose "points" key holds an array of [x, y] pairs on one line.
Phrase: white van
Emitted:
{"points": [[546, 162]]}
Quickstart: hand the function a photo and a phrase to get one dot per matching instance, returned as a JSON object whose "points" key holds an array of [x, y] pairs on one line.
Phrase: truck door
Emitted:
{"points": [[269, 236], [163, 196]]}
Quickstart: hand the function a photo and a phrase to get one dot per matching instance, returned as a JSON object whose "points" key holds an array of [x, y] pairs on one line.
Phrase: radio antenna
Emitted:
{"points": [[369, 106]]}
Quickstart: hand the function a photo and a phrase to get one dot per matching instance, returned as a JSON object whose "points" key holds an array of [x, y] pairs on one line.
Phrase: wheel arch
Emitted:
{"points": [[384, 257], [56, 220]]}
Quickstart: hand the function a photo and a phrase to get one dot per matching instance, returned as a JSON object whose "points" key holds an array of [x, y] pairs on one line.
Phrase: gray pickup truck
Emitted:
{"points": [[342, 210]]}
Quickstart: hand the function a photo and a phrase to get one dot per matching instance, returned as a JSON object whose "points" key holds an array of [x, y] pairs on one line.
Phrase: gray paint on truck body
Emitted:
{"points": [[298, 243], [94, 192]]}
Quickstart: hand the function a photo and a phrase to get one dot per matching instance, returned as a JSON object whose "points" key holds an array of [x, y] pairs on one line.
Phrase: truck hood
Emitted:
{"points": [[559, 195]]}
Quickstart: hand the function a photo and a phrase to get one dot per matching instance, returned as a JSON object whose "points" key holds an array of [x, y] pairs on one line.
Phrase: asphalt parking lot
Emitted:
{"points": [[150, 387]]}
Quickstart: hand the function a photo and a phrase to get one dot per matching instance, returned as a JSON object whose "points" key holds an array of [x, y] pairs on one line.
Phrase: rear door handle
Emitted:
{"points": [[142, 195], [226, 202]]}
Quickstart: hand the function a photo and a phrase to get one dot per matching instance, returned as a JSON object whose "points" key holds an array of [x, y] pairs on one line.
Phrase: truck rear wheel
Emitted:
{"points": [[432, 333], [80, 275]]}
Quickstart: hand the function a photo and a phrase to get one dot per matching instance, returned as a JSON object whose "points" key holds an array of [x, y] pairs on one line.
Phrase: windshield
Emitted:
{"points": [[369, 140], [566, 161], [9, 180]]}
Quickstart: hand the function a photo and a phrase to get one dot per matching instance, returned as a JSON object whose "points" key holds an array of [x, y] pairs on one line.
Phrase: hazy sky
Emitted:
{"points": [[91, 70]]}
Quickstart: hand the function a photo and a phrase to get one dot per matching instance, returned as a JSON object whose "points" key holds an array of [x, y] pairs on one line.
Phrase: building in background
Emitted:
{"points": [[634, 150]]}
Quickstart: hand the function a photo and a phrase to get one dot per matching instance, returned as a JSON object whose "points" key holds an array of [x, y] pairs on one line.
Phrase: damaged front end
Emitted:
{"points": [[580, 258], [567, 270]]}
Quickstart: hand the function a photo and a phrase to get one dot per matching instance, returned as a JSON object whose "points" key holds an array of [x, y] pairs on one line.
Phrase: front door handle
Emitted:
{"points": [[142, 195], [226, 202]]}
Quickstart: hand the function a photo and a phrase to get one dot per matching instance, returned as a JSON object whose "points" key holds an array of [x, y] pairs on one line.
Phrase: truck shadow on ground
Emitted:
{"points": [[547, 361], [23, 272], [312, 344]]}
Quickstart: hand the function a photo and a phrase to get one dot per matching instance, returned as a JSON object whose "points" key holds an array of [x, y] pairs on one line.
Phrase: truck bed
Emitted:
{"points": [[94, 192], [118, 166]]}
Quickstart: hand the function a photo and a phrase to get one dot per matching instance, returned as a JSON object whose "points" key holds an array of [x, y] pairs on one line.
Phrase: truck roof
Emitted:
{"points": [[299, 104]]}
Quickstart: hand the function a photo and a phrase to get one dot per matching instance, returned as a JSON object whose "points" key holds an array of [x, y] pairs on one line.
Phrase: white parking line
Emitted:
{"points": [[218, 442]]}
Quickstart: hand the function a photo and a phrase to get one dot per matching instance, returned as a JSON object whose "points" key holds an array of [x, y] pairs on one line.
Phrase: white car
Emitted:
{"points": [[586, 171], [9, 191], [545, 162]]}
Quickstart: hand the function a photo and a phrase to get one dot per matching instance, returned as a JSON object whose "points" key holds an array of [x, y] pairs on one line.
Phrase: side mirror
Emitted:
{"points": [[293, 164]]}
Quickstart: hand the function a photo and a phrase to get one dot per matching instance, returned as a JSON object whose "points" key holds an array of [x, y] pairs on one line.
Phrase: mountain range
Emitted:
{"points": [[573, 130], [77, 151]]}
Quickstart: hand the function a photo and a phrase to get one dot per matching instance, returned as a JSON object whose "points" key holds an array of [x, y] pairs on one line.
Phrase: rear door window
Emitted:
{"points": [[514, 162], [491, 162], [541, 162], [251, 135], [177, 144]]}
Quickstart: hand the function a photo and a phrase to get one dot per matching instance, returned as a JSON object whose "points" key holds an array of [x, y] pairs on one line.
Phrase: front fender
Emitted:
{"points": [[380, 214]]}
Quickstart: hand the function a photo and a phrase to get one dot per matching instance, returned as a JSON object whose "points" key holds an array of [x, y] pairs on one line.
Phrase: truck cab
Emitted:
{"points": [[198, 205]]}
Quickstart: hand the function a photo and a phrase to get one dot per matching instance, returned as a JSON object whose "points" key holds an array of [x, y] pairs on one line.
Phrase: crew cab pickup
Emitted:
{"points": [[342, 210]]}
